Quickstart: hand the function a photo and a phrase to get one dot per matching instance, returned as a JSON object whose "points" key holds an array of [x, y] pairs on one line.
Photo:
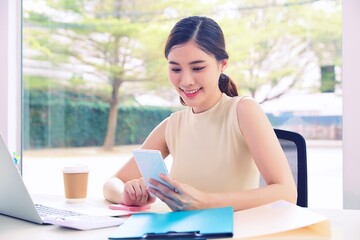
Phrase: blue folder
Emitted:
{"points": [[190, 224]]}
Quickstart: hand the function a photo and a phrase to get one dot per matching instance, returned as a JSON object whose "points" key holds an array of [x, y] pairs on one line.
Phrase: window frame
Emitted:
{"points": [[10, 74], [351, 113]]}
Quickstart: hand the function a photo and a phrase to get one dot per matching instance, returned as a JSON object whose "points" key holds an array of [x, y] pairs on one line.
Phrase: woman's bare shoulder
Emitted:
{"points": [[247, 102]]}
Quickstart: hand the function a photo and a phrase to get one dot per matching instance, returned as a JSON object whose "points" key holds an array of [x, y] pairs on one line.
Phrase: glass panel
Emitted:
{"points": [[95, 79]]}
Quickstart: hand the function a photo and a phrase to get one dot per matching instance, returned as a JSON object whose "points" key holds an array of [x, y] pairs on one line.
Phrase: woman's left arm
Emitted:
{"points": [[268, 156]]}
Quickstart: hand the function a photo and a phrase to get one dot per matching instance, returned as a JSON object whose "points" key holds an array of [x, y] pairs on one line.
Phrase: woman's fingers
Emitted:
{"points": [[173, 203], [165, 190], [129, 189], [137, 192], [172, 193], [172, 182]]}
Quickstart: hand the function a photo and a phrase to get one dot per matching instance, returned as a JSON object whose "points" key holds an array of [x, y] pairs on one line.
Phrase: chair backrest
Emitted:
{"points": [[294, 147]]}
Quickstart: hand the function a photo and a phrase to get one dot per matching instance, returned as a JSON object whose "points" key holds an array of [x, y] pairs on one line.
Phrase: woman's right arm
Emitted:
{"points": [[127, 186], [114, 187]]}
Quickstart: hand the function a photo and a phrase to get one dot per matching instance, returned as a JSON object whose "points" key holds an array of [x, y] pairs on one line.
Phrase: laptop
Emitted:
{"points": [[15, 201]]}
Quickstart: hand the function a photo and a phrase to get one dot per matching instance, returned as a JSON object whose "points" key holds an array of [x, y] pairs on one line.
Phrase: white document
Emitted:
{"points": [[280, 219]]}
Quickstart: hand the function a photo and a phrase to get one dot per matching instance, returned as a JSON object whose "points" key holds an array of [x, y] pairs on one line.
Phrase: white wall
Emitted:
{"points": [[351, 98], [10, 73]]}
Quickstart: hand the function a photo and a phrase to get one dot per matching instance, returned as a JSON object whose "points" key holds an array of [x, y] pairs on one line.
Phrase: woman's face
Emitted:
{"points": [[195, 75]]}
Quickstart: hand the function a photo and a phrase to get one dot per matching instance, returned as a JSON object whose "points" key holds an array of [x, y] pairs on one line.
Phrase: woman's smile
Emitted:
{"points": [[195, 75], [190, 93]]}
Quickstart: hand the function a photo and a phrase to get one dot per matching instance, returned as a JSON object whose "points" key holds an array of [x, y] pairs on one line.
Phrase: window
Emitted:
{"points": [[82, 62]]}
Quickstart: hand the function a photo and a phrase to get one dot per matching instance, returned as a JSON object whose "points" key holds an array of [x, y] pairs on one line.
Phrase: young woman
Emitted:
{"points": [[219, 144]]}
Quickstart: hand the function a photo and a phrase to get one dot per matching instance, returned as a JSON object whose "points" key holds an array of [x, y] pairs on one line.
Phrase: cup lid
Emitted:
{"points": [[78, 168]]}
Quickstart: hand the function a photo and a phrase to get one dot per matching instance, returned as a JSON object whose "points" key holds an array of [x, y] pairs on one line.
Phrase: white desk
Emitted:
{"points": [[345, 224]]}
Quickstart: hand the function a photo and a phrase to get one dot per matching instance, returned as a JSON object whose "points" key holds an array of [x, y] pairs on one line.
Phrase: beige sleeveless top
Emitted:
{"points": [[209, 151]]}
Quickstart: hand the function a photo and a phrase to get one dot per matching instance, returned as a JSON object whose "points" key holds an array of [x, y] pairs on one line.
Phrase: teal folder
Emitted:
{"points": [[190, 224]]}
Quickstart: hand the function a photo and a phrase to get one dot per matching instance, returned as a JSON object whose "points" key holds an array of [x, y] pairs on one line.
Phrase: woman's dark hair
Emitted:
{"points": [[207, 34]]}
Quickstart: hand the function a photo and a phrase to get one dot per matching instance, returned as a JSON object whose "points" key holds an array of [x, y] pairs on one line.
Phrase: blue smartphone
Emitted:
{"points": [[151, 164]]}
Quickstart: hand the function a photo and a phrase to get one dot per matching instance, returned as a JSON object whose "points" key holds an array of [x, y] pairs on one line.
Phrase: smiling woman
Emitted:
{"points": [[215, 142], [63, 67]]}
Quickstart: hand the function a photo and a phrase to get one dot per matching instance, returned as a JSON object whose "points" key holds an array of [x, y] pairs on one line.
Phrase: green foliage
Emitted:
{"points": [[139, 28], [76, 81], [39, 18], [328, 77], [69, 5], [68, 119], [38, 82], [119, 41], [271, 42]]}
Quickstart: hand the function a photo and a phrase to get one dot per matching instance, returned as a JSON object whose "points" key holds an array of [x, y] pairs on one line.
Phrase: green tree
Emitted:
{"points": [[116, 41], [98, 35], [272, 44]]}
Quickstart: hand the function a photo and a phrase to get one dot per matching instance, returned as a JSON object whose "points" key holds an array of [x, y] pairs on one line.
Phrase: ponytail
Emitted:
{"points": [[227, 86]]}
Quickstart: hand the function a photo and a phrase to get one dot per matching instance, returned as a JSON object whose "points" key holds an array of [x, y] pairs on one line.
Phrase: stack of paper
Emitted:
{"points": [[280, 219]]}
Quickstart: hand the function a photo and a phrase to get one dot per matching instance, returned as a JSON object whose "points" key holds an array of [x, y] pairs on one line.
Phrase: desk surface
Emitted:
{"points": [[345, 224]]}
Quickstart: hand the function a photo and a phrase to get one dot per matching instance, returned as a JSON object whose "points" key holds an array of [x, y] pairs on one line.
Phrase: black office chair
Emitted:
{"points": [[294, 147]]}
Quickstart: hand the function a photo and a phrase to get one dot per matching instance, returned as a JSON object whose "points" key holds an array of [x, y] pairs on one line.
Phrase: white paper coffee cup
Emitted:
{"points": [[76, 182]]}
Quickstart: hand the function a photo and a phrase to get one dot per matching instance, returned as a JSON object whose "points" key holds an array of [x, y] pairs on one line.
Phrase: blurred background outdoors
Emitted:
{"points": [[95, 80]]}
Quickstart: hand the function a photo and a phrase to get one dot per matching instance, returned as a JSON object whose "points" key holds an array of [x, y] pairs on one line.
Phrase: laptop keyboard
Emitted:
{"points": [[46, 211]]}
